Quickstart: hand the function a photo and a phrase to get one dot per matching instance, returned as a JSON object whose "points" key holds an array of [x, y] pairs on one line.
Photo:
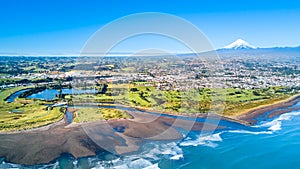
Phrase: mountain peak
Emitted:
{"points": [[239, 44]]}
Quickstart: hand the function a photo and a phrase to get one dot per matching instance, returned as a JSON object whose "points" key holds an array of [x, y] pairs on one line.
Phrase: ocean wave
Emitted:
{"points": [[148, 158], [154, 166], [126, 163], [275, 125], [268, 127], [5, 165], [207, 140], [152, 153], [173, 151], [250, 132], [139, 163]]}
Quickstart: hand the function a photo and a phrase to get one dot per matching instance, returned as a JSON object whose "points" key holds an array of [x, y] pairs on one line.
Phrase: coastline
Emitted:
{"points": [[43, 145], [248, 115], [126, 135], [244, 117]]}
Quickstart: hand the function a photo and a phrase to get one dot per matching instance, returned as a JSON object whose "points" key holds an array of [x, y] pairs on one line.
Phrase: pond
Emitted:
{"points": [[16, 111]]}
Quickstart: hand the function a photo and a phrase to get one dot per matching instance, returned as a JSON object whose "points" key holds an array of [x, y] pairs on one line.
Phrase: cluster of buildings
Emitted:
{"points": [[186, 73]]}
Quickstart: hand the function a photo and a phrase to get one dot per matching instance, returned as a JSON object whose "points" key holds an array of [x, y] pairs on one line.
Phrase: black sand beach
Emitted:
{"points": [[123, 136]]}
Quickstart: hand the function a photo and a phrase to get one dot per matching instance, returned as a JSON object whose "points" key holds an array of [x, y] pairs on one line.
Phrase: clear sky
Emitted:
{"points": [[62, 27]]}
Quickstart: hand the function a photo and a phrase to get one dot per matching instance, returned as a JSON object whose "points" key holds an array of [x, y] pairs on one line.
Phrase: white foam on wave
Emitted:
{"points": [[99, 167], [75, 163], [211, 140], [154, 166], [173, 151], [139, 163], [208, 140], [177, 157], [250, 132], [151, 154], [275, 125], [19, 166]]}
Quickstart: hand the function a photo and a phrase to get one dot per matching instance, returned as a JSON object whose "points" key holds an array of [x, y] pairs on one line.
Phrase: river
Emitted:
{"points": [[269, 144], [15, 95], [50, 94]]}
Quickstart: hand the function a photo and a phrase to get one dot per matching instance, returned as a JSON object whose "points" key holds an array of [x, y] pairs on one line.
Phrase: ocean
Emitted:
{"points": [[270, 144]]}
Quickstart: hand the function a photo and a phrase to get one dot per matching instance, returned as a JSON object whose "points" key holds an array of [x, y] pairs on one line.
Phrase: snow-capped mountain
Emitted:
{"points": [[240, 44]]}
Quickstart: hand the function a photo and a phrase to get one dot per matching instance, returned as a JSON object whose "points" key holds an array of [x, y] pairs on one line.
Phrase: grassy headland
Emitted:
{"points": [[190, 102]]}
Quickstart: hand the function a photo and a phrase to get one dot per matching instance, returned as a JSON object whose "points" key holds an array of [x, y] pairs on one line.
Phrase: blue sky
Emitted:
{"points": [[62, 27]]}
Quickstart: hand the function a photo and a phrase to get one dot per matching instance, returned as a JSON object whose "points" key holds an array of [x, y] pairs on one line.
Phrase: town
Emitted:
{"points": [[164, 73]]}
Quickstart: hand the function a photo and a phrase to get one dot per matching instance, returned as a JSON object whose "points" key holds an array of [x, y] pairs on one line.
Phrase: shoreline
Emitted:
{"points": [[125, 135], [244, 117], [249, 115]]}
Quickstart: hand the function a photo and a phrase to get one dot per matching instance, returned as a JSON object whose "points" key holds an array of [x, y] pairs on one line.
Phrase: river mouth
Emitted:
{"points": [[175, 154], [87, 139]]}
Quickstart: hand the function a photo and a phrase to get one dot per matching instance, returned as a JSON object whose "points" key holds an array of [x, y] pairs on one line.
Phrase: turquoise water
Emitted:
{"points": [[276, 148], [271, 144]]}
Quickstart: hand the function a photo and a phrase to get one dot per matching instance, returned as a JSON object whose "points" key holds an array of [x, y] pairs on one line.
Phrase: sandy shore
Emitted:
{"points": [[45, 144], [123, 136], [249, 115]]}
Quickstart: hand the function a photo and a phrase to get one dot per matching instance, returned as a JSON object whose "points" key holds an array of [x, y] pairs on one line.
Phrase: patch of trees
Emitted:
{"points": [[103, 89]]}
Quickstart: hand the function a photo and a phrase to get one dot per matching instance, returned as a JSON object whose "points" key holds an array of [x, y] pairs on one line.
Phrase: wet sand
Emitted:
{"points": [[249, 116], [45, 144], [123, 136]]}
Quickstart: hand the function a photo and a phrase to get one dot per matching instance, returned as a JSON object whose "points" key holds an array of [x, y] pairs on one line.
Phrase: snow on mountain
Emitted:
{"points": [[240, 44]]}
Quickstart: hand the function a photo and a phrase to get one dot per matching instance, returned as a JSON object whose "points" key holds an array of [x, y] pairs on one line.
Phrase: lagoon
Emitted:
{"points": [[51, 94], [15, 95]]}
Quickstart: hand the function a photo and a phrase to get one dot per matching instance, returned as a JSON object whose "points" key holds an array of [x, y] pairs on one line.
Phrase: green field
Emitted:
{"points": [[7, 92], [24, 114], [93, 114], [228, 101]]}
